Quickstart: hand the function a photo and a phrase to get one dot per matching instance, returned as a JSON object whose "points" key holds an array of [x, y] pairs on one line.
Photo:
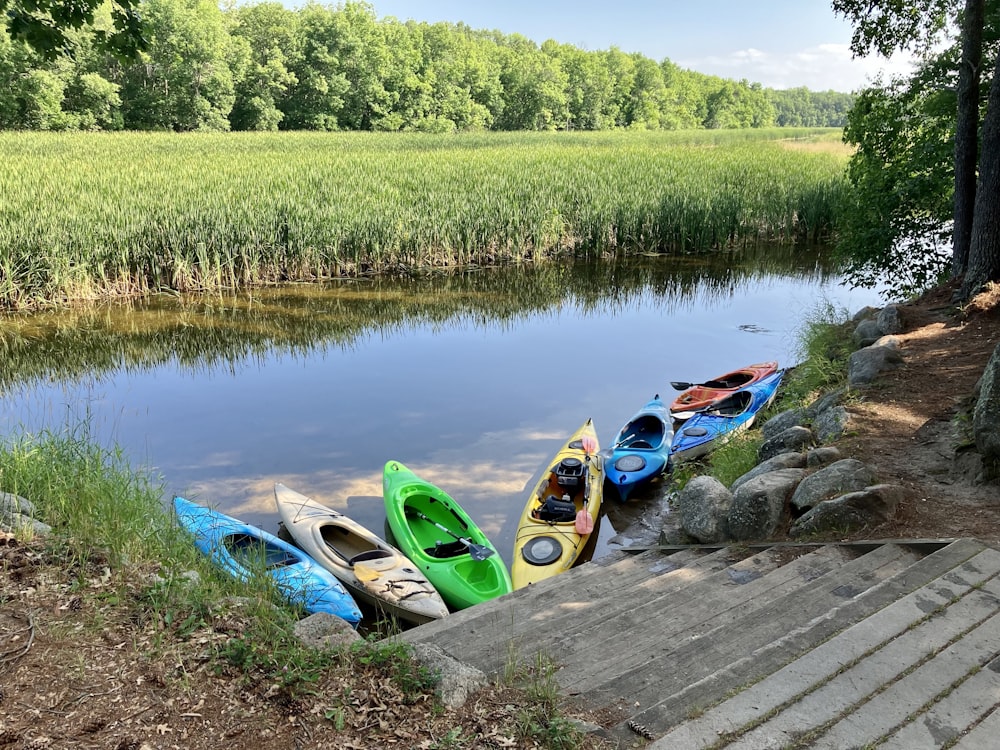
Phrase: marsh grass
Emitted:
{"points": [[824, 348], [107, 214]]}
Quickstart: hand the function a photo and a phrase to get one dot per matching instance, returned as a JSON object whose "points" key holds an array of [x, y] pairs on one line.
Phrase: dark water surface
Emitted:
{"points": [[473, 380]]}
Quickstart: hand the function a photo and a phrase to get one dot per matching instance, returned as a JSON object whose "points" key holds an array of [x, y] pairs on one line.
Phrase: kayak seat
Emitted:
{"points": [[446, 550], [369, 554], [640, 444]]}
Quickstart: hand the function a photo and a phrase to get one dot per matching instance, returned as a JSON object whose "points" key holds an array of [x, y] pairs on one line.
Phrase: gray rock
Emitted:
{"points": [[456, 681], [865, 365], [831, 424], [791, 440], [822, 456], [790, 460], [24, 526], [889, 319], [14, 505], [702, 506], [784, 420], [865, 312], [866, 333], [758, 506], [826, 401], [322, 630], [846, 475], [986, 418], [852, 512]]}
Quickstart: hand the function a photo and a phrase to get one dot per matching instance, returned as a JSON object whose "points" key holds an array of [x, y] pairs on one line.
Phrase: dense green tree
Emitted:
{"points": [[953, 74], [266, 35], [183, 80], [47, 25], [534, 86]]}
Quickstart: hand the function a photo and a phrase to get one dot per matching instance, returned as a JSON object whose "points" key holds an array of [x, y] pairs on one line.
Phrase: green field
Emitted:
{"points": [[95, 214]]}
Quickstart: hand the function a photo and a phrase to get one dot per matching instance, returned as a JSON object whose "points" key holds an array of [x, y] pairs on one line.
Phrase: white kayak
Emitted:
{"points": [[370, 568]]}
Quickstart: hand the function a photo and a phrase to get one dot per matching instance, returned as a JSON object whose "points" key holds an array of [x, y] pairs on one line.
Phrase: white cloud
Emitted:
{"points": [[820, 68]]}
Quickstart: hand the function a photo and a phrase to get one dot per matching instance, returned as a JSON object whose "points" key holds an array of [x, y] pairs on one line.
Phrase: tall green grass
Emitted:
{"points": [[89, 214]]}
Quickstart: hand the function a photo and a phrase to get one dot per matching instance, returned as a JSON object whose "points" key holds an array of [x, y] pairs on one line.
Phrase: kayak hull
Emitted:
{"points": [[709, 429], [461, 580], [244, 552], [372, 570], [641, 449], [703, 395], [547, 541]]}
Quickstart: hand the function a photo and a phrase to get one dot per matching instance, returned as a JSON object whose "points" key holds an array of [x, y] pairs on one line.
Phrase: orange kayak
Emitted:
{"points": [[697, 396]]}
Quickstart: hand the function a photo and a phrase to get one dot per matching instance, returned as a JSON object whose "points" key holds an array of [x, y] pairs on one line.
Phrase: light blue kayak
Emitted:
{"points": [[710, 428], [244, 551], [642, 449]]}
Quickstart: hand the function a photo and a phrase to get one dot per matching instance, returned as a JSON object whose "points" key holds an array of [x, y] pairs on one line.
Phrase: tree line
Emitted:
{"points": [[191, 65]]}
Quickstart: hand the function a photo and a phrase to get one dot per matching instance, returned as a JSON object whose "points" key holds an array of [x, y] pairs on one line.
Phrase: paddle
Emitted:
{"points": [[680, 385], [476, 551], [584, 524]]}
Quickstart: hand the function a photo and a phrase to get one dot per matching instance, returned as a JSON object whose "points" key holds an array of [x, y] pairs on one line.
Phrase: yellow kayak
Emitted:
{"points": [[559, 516]]}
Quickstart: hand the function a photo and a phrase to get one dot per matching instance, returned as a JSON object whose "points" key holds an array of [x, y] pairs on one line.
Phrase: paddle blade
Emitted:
{"points": [[477, 551], [679, 386], [589, 444], [584, 523]]}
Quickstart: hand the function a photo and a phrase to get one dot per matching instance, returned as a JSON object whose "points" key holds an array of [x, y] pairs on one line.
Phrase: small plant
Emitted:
{"points": [[824, 347]]}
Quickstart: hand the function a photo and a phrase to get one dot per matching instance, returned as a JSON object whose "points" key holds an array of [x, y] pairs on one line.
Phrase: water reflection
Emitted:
{"points": [[473, 379]]}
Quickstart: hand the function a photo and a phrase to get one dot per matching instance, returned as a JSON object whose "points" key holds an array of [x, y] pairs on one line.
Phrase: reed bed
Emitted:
{"points": [[98, 214]]}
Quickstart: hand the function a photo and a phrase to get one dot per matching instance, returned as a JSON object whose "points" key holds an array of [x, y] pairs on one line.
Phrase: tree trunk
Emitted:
{"points": [[967, 133], [984, 251]]}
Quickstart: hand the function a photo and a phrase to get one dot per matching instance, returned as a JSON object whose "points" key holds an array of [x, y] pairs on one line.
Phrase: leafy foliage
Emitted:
{"points": [[196, 66], [898, 227]]}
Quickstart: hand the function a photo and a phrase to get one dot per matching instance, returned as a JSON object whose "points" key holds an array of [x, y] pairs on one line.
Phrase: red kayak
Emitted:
{"points": [[697, 396]]}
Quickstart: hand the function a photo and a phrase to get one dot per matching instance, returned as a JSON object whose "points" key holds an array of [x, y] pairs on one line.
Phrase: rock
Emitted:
{"points": [[14, 505], [322, 630], [703, 505], [781, 422], [889, 320], [758, 506], [864, 365], [866, 333], [831, 424], [791, 440], [846, 475], [865, 312], [847, 513], [822, 456], [456, 681], [826, 401], [790, 460], [986, 418]]}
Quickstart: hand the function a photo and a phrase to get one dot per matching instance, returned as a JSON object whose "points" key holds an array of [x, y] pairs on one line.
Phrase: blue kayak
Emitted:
{"points": [[642, 449], [243, 550], [708, 429]]}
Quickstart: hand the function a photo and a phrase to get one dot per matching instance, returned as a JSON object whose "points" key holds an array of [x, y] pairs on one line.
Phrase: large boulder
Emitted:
{"points": [[866, 333], [865, 365], [851, 512], [846, 475], [17, 515], [889, 320], [703, 505], [986, 418], [794, 439], [758, 506], [322, 630], [831, 424], [781, 422], [790, 460]]}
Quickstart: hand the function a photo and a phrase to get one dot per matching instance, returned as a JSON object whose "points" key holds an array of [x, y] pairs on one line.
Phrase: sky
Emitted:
{"points": [[777, 43]]}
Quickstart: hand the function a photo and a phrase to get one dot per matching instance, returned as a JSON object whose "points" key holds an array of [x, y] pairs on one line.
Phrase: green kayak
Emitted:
{"points": [[439, 537]]}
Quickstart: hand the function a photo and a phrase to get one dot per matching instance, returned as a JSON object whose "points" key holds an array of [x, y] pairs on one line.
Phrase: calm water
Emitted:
{"points": [[472, 380]]}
